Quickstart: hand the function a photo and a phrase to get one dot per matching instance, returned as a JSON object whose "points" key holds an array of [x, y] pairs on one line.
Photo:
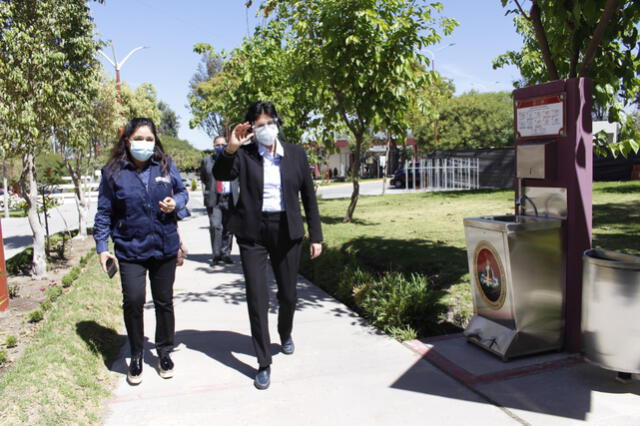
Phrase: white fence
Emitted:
{"points": [[444, 174]]}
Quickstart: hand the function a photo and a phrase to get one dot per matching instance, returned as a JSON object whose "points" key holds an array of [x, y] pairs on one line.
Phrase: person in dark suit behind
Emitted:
{"points": [[218, 199], [267, 221]]}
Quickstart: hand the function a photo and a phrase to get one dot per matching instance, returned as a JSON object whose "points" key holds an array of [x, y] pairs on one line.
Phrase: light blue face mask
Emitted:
{"points": [[142, 150]]}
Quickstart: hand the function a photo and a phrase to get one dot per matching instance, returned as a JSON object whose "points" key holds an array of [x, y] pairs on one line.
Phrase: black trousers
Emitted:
{"points": [[284, 254], [221, 238], [161, 275]]}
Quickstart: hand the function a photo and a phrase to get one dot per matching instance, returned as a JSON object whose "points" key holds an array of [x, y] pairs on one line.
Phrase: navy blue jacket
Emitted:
{"points": [[131, 215]]}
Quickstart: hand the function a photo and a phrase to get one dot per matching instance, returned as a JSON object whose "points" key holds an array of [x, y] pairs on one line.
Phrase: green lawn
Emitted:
{"points": [[423, 233], [62, 377]]}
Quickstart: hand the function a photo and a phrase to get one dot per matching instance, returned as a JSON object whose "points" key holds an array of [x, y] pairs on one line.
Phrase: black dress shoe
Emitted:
{"points": [[288, 347], [134, 375], [227, 260], [165, 367], [215, 261], [263, 378]]}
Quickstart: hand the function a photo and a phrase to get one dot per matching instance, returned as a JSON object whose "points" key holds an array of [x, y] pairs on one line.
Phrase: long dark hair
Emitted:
{"points": [[120, 154]]}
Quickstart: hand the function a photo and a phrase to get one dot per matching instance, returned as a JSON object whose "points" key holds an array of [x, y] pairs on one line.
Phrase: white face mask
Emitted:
{"points": [[266, 135]]}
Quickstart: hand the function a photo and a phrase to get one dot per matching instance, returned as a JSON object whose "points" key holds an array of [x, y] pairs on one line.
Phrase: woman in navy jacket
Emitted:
{"points": [[140, 196]]}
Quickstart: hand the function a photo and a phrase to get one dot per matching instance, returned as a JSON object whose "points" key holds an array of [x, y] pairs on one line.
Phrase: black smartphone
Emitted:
{"points": [[111, 267]]}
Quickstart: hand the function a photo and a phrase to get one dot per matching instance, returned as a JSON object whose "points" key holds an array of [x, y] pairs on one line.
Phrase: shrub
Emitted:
{"points": [[11, 342], [46, 305], [67, 280], [194, 184], [3, 357], [14, 291], [75, 272], [395, 302], [36, 316], [54, 292]]}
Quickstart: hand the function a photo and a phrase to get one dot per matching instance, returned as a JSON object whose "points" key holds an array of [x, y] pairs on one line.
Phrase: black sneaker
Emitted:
{"points": [[263, 378], [134, 375], [288, 347], [165, 367], [227, 260]]}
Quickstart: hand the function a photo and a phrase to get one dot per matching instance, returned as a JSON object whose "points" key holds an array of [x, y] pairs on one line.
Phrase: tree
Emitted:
{"points": [[169, 121], [472, 120], [45, 48], [210, 65], [587, 38], [183, 154], [89, 126], [142, 102], [360, 60]]}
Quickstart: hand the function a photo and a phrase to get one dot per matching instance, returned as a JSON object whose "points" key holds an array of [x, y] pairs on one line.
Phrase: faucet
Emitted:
{"points": [[520, 202]]}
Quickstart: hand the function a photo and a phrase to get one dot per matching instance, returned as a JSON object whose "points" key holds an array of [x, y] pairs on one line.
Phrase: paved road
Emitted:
{"points": [[366, 188]]}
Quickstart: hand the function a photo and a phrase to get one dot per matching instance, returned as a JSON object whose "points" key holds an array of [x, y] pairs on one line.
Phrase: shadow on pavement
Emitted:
{"points": [[221, 345], [17, 241], [563, 391]]}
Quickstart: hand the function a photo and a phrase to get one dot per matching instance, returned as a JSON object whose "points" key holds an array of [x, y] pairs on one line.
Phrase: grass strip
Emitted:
{"points": [[63, 375], [423, 234]]}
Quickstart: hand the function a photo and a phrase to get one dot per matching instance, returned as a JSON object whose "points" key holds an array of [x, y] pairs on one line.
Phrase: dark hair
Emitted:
{"points": [[262, 107], [120, 154]]}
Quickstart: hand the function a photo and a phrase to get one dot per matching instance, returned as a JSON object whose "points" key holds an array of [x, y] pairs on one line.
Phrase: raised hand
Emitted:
{"points": [[239, 136]]}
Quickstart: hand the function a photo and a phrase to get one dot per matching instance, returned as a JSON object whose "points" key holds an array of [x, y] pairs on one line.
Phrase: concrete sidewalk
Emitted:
{"points": [[343, 371]]}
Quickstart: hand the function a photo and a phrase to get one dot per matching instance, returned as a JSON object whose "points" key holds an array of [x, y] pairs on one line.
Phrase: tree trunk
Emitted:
{"points": [[355, 178], [5, 188], [386, 165], [541, 37], [30, 193], [81, 196]]}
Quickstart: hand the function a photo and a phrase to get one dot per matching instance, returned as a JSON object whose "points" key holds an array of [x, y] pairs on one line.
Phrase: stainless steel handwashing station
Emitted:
{"points": [[521, 265], [517, 278]]}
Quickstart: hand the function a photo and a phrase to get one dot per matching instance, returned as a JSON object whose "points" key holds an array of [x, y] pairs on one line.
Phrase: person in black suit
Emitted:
{"points": [[218, 199], [267, 221]]}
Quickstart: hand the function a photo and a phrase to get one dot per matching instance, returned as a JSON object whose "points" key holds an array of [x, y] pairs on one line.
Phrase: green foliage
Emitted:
{"points": [[329, 66], [3, 357], [575, 51], [46, 305], [54, 292], [47, 66], [20, 263], [11, 342], [184, 155], [473, 120], [194, 184], [141, 102], [169, 121], [205, 117], [35, 316]]}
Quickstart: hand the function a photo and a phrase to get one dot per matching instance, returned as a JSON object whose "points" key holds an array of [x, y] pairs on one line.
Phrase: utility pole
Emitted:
{"points": [[118, 65]]}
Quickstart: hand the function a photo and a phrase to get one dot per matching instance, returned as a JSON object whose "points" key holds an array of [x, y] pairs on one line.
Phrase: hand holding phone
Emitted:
{"points": [[108, 263], [111, 267]]}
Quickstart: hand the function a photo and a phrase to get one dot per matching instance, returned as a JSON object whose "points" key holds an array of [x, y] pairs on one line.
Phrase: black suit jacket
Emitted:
{"points": [[209, 183], [246, 165]]}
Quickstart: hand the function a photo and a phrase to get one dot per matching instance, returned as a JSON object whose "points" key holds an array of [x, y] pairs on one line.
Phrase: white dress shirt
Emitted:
{"points": [[272, 195]]}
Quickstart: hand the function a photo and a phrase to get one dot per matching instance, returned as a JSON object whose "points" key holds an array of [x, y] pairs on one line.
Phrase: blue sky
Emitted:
{"points": [[170, 29]]}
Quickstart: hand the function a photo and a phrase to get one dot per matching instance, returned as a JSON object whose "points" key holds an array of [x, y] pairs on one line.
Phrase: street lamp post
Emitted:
{"points": [[118, 65], [433, 68]]}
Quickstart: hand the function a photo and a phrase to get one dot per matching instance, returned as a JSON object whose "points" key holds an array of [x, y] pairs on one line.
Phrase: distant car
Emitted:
{"points": [[399, 180]]}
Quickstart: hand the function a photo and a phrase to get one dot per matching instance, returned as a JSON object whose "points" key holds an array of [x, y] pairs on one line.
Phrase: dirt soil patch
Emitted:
{"points": [[31, 293]]}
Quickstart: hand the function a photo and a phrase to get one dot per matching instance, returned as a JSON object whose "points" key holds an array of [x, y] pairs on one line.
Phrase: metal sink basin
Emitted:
{"points": [[513, 223]]}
